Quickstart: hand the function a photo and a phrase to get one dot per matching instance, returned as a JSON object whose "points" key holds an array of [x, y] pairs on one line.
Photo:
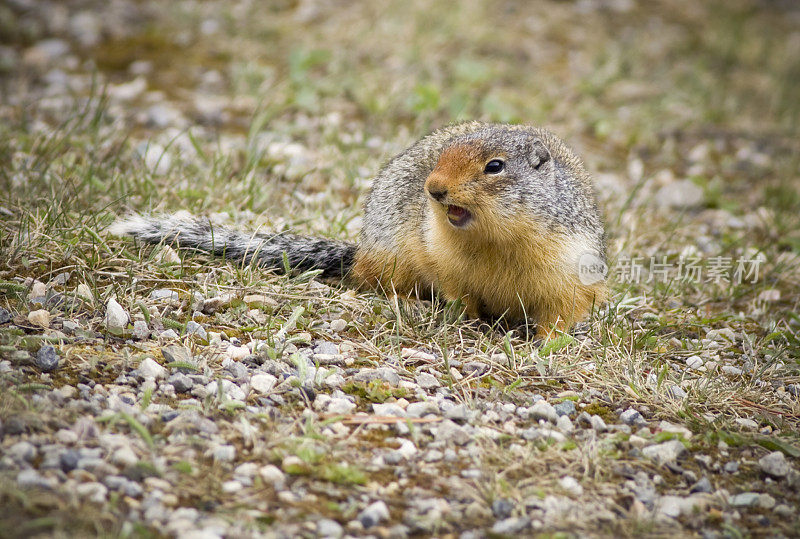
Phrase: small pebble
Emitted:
{"points": [[116, 317], [39, 318], [774, 464], [374, 514], [46, 358], [427, 381], [193, 328], [338, 325]]}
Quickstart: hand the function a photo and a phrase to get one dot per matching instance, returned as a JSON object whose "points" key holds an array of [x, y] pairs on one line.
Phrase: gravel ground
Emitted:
{"points": [[143, 392]]}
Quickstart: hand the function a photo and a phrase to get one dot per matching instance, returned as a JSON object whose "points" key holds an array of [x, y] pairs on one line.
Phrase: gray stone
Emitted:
{"points": [[704, 485], [665, 452], [33, 479], [427, 381], [164, 293], [564, 424], [448, 431], [229, 389], [746, 423], [731, 467], [477, 367], [564, 407], [632, 417], [326, 347], [237, 370], [745, 499], [181, 382], [22, 451], [193, 328], [774, 464], [168, 335], [502, 508], [460, 412], [68, 460], [383, 373], [93, 491], [140, 329], [598, 424], [676, 392], [273, 476], [571, 485], [422, 408], [373, 514], [5, 316], [388, 409], [177, 354], [46, 358]]}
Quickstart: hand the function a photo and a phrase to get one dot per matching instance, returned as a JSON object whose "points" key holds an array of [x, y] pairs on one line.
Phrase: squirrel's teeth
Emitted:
{"points": [[458, 216]]}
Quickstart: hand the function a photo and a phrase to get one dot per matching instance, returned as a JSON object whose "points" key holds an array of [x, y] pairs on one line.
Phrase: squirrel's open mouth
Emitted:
{"points": [[458, 216]]}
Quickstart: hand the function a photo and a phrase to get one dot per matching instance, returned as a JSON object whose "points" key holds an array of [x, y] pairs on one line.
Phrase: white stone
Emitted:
{"points": [[229, 487], [374, 514], [746, 423], [411, 354], [229, 389], [149, 368], [93, 491], [124, 456], [543, 410], [571, 485], [694, 362], [38, 290], [140, 330], [85, 292], [564, 424], [272, 475], [340, 406], [237, 352], [116, 317], [679, 194], [665, 452], [224, 453], [263, 383], [338, 325], [39, 318]]}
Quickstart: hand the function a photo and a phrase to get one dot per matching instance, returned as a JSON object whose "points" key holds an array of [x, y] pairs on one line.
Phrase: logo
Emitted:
{"points": [[591, 268]]}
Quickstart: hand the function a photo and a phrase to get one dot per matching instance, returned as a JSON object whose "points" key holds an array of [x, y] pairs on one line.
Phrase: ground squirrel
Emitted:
{"points": [[502, 217]]}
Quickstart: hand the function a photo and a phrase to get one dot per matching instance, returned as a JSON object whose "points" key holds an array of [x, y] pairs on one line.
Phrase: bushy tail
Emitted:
{"points": [[334, 258]]}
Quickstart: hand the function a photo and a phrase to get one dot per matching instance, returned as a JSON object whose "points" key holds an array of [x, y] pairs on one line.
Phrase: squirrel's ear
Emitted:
{"points": [[538, 154]]}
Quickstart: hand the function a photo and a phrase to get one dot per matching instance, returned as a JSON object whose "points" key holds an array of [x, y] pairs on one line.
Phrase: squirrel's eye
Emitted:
{"points": [[494, 166]]}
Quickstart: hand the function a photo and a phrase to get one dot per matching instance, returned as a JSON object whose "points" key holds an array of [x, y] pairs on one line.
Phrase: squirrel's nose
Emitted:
{"points": [[437, 195]]}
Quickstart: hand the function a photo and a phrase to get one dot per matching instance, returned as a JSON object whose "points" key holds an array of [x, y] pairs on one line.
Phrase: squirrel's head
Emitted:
{"points": [[481, 177]]}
